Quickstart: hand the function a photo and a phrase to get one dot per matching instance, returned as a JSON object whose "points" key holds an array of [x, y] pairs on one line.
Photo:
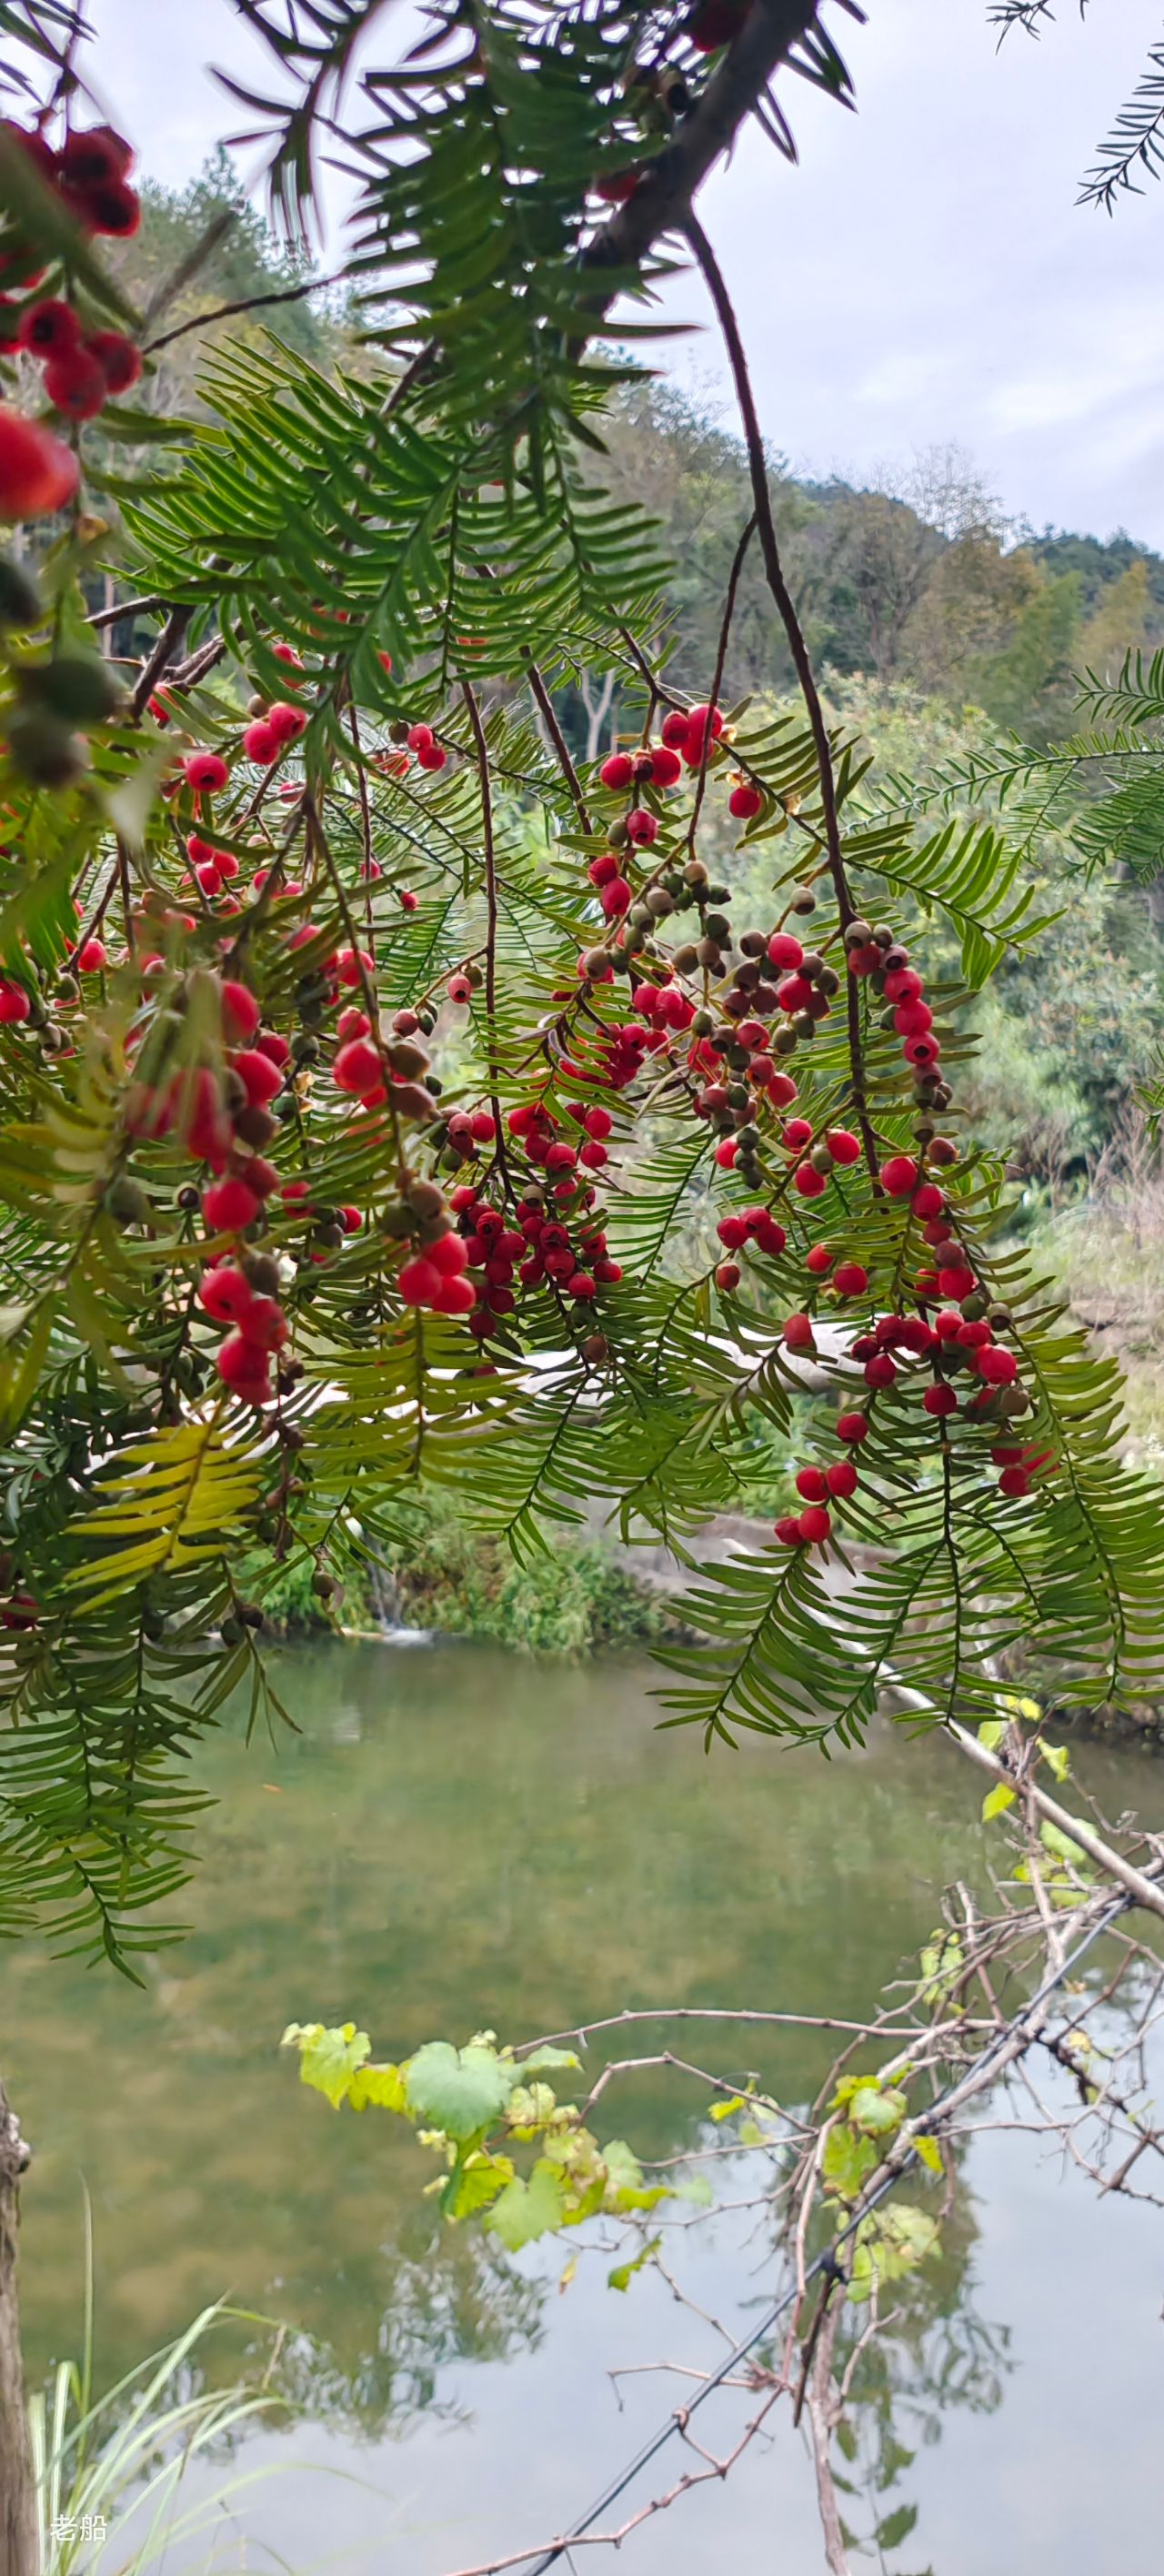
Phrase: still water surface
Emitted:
{"points": [[457, 1839]]}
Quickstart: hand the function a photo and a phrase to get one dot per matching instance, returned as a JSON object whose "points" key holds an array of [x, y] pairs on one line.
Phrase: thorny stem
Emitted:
{"points": [[774, 572]]}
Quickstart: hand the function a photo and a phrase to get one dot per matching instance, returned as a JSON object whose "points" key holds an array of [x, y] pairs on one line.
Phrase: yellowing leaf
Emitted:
{"points": [[328, 2059], [623, 2273], [997, 1800], [379, 2085]]}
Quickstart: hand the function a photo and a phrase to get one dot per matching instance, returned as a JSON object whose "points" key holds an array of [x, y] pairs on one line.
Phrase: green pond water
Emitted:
{"points": [[458, 1839]]}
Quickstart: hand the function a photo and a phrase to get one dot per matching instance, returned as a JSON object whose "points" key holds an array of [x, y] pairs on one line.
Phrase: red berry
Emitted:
{"points": [[262, 1078], [1014, 1482], [816, 1525], [853, 1427], [240, 1013], [75, 384], [37, 472], [264, 1324], [733, 1232], [50, 328], [617, 771], [205, 771], [420, 737], [843, 1146], [642, 828], [781, 1089], [820, 1260], [454, 1296], [434, 758], [243, 1368], [260, 744], [808, 1182], [113, 208], [228, 1206], [725, 1152], [357, 1067], [788, 1530], [419, 1282], [225, 1293], [675, 729], [285, 721], [798, 1332], [899, 1176], [956, 1282], [352, 965], [14, 1002], [784, 951], [940, 1401], [93, 156], [449, 1254], [745, 802], [19, 1612], [880, 1370], [996, 1366], [813, 1484], [666, 766], [617, 187], [91, 956], [850, 1279], [842, 1479], [459, 989], [118, 358], [272, 1041]]}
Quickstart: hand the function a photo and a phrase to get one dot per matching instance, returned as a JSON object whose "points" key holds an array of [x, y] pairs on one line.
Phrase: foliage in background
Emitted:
{"points": [[259, 1295]]}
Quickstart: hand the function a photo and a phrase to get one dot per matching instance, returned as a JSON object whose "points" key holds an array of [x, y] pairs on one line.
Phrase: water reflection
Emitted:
{"points": [[455, 1840]]}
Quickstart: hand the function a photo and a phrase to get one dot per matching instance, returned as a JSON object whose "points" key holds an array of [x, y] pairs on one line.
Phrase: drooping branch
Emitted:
{"points": [[806, 677]]}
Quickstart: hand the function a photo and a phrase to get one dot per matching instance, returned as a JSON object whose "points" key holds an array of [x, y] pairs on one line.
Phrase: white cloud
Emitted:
{"points": [[924, 275]]}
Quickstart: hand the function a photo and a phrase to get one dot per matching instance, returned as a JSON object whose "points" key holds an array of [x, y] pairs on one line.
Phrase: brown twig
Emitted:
{"points": [[246, 304], [774, 573]]}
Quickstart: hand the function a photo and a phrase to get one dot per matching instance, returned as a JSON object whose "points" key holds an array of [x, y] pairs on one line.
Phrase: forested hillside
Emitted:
{"points": [[923, 581]]}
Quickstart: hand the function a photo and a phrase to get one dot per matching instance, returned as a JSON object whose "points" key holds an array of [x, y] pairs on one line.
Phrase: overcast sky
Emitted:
{"points": [[925, 274]]}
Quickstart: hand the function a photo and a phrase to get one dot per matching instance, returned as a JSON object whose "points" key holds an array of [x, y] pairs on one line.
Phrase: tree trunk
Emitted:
{"points": [[18, 2534]]}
